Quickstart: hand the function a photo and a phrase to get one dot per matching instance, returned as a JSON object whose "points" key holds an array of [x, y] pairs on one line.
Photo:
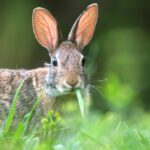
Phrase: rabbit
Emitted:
{"points": [[62, 76]]}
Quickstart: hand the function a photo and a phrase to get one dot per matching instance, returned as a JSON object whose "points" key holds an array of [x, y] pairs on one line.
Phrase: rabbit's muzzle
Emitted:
{"points": [[72, 82]]}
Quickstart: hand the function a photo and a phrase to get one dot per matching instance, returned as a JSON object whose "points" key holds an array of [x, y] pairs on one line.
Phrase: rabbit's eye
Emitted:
{"points": [[83, 61], [54, 62]]}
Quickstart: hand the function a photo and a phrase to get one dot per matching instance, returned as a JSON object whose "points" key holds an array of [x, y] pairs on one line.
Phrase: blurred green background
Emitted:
{"points": [[118, 57]]}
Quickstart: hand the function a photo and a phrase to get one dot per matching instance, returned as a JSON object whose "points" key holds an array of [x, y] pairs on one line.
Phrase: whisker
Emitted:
{"points": [[95, 89], [103, 80], [99, 80]]}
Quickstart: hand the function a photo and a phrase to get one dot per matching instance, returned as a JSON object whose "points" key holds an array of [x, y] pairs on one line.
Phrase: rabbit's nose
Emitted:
{"points": [[72, 81]]}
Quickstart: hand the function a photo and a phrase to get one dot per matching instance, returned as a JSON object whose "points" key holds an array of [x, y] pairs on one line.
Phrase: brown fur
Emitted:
{"points": [[32, 87]]}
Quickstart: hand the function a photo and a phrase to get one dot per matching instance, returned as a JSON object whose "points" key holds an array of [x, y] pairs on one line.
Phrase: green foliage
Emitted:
{"points": [[118, 95], [51, 123], [105, 132]]}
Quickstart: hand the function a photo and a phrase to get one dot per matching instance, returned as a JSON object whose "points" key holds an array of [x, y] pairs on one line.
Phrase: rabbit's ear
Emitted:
{"points": [[45, 29], [83, 29]]}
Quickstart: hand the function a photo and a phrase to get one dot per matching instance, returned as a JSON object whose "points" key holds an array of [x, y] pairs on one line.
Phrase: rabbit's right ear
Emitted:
{"points": [[83, 29], [45, 29]]}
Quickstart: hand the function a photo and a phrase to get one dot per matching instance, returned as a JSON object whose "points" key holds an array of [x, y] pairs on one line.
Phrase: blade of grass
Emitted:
{"points": [[18, 133], [80, 101], [12, 110], [28, 116], [91, 138], [23, 125]]}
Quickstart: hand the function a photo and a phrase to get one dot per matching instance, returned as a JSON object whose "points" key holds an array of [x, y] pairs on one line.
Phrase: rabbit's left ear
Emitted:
{"points": [[46, 29], [83, 29]]}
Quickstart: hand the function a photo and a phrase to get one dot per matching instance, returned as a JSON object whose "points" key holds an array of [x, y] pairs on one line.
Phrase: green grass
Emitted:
{"points": [[109, 131], [106, 132]]}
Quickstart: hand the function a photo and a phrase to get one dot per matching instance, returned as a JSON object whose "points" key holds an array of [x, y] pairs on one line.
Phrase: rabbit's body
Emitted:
{"points": [[31, 89], [65, 74], [46, 83]]}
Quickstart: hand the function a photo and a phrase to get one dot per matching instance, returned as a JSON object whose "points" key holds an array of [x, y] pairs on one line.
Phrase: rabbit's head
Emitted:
{"points": [[66, 72]]}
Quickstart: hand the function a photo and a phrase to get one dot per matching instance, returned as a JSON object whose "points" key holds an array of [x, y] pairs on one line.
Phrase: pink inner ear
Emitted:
{"points": [[83, 29], [86, 26], [45, 28]]}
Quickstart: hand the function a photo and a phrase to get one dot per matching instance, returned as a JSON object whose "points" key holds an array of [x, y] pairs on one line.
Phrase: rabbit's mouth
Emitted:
{"points": [[70, 90], [53, 91], [67, 90]]}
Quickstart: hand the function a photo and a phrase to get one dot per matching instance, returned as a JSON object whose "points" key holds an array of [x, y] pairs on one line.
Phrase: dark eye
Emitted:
{"points": [[54, 62], [83, 61]]}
